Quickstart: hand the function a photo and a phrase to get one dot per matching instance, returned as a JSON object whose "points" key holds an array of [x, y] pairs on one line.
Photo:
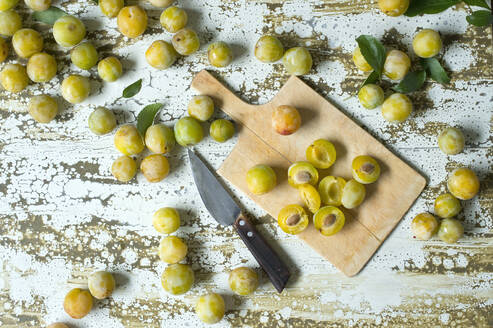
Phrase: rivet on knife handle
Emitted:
{"points": [[267, 258]]}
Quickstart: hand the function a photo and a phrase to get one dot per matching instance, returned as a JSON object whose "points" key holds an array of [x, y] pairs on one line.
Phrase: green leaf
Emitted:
{"points": [[435, 70], [146, 117], [477, 3], [371, 79], [49, 16], [418, 7], [411, 82], [480, 18], [132, 89], [373, 51], [96, 1]]}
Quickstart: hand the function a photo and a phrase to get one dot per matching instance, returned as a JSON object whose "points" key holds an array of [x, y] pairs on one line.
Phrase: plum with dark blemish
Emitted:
{"points": [[186, 42], [424, 226]]}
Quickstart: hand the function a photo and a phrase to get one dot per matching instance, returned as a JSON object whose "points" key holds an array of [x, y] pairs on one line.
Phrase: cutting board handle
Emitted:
{"points": [[208, 85]]}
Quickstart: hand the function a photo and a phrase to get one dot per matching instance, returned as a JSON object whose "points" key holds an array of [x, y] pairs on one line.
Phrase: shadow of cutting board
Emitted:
{"points": [[368, 225]]}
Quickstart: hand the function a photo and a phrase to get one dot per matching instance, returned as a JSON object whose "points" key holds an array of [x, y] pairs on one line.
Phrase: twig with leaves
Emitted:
{"points": [[479, 17], [374, 53]]}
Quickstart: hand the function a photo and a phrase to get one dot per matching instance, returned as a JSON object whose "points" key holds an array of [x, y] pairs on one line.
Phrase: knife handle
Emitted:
{"points": [[267, 258]]}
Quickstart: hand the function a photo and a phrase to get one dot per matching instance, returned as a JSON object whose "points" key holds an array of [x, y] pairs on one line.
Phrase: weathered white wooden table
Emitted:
{"points": [[63, 215]]}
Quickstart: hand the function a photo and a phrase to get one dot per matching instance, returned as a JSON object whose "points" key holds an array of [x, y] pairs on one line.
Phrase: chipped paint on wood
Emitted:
{"points": [[63, 215]]}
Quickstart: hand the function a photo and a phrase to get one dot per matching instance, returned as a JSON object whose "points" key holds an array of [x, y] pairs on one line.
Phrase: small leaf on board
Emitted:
{"points": [[132, 89], [418, 7], [49, 16], [371, 79], [480, 18], [477, 3], [373, 51], [146, 117], [435, 70], [411, 82]]}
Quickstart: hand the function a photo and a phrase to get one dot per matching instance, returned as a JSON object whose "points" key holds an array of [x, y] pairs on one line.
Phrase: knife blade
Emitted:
{"points": [[226, 211]]}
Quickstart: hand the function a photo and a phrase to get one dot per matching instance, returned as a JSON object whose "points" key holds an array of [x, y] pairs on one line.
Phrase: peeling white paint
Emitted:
{"points": [[42, 167]]}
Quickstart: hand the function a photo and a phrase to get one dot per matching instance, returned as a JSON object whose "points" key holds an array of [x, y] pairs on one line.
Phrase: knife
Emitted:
{"points": [[226, 211]]}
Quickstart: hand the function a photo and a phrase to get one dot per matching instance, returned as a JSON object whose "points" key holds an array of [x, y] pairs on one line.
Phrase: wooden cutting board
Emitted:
{"points": [[366, 226]]}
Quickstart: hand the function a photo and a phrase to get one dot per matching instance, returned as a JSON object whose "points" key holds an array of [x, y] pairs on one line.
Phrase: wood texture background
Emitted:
{"points": [[63, 215]]}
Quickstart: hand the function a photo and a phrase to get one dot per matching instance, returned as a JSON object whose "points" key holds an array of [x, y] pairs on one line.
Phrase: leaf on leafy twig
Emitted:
{"points": [[418, 7], [373, 51], [371, 79], [49, 16], [411, 82], [480, 18], [435, 70], [146, 117], [477, 3], [132, 89]]}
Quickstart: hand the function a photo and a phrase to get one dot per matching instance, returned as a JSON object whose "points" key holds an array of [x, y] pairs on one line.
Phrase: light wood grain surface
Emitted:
{"points": [[64, 216], [366, 226]]}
